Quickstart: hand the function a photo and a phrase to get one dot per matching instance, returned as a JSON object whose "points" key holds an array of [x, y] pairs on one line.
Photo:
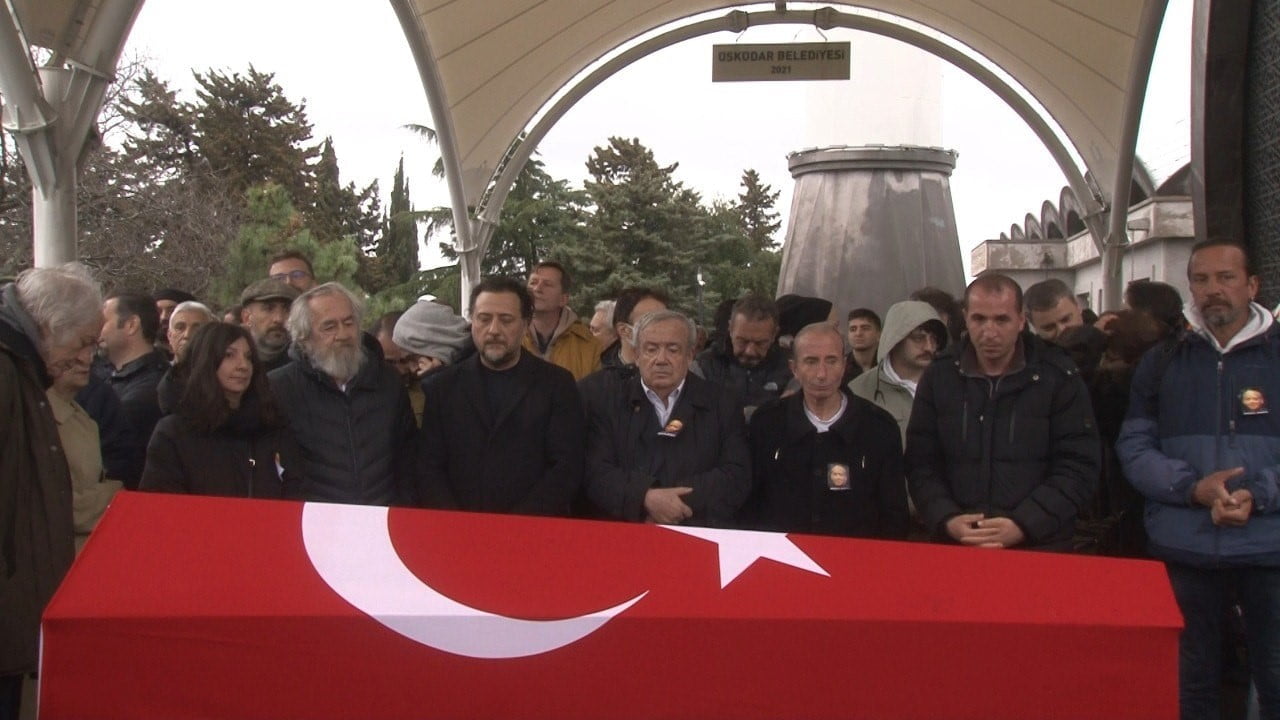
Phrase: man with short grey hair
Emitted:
{"points": [[348, 410], [601, 324], [50, 319], [183, 321], [670, 447]]}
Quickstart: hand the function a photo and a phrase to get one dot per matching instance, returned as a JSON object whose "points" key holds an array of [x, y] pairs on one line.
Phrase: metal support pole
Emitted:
{"points": [[51, 118], [1144, 48]]}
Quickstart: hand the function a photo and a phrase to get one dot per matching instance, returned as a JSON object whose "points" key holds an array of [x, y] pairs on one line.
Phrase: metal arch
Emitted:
{"points": [[736, 21], [469, 253], [1144, 47]]}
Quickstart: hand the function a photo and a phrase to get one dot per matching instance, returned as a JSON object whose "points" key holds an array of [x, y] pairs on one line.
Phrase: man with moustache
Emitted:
{"points": [[264, 310], [1002, 448], [913, 333], [347, 409], [1202, 445], [502, 430], [667, 447], [825, 461]]}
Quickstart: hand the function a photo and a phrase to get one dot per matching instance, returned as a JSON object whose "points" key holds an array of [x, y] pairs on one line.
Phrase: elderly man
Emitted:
{"points": [[167, 300], [348, 410], [264, 310], [669, 447], [50, 320], [183, 321], [1002, 448], [750, 363], [824, 460], [601, 324], [1202, 445], [502, 430]]}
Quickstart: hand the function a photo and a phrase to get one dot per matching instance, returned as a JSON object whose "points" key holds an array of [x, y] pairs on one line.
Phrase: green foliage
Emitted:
{"points": [[270, 226]]}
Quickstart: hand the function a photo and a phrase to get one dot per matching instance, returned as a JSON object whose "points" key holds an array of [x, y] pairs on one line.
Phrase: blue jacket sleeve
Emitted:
{"points": [[1152, 473]]}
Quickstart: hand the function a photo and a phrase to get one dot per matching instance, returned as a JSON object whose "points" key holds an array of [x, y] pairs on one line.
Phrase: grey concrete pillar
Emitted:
{"points": [[869, 225]]}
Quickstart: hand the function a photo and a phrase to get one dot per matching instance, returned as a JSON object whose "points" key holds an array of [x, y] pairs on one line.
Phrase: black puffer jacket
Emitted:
{"points": [[1022, 446], [242, 458], [356, 446], [751, 386]]}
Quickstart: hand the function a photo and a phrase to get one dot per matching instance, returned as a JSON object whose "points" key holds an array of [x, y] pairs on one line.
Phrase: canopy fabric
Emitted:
{"points": [[498, 64]]}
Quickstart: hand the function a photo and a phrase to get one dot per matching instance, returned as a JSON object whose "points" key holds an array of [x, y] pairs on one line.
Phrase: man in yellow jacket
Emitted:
{"points": [[556, 334]]}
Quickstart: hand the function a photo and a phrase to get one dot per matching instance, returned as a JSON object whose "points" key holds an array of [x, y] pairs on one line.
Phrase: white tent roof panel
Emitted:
{"points": [[500, 62]]}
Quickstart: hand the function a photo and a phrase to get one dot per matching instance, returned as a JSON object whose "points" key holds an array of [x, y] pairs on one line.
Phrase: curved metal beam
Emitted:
{"points": [[737, 21], [1144, 48], [469, 253]]}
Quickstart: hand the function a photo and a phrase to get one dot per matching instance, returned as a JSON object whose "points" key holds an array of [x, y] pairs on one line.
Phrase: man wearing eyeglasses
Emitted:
{"points": [[913, 333], [293, 268]]}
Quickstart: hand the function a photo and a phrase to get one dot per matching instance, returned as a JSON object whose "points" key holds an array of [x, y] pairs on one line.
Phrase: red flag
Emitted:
{"points": [[204, 607]]}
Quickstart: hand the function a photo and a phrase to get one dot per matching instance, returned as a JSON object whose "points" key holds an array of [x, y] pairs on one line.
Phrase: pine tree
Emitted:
{"points": [[398, 247], [756, 214]]}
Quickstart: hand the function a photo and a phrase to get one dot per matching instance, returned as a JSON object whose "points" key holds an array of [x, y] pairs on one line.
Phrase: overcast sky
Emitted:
{"points": [[350, 63]]}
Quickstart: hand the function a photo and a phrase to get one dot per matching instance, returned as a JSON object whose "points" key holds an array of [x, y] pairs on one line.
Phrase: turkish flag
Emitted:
{"points": [[190, 607]]}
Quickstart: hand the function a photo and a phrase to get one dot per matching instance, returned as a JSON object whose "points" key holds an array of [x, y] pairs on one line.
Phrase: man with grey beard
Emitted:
{"points": [[348, 410]]}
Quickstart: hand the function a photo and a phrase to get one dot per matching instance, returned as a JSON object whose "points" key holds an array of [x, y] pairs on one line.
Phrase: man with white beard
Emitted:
{"points": [[348, 410]]}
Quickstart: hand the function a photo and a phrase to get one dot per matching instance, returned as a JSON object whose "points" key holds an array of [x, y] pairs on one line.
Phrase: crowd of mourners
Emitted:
{"points": [[1000, 419]]}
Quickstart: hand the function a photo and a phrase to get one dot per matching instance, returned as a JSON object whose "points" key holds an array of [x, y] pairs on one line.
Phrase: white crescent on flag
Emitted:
{"points": [[350, 547]]}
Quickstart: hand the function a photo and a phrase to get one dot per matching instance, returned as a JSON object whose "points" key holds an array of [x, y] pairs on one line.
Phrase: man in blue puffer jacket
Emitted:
{"points": [[1202, 444]]}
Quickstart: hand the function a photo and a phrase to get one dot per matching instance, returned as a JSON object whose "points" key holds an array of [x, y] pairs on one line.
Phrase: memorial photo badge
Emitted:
{"points": [[837, 476], [1253, 402]]}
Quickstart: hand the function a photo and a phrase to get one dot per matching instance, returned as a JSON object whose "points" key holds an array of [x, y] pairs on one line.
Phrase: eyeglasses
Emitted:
{"points": [[920, 336], [291, 275]]}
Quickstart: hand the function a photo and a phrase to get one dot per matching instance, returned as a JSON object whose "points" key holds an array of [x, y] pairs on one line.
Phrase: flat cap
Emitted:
{"points": [[268, 289]]}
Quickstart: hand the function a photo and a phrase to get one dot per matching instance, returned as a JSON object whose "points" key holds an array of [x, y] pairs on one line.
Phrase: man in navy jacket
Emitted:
{"points": [[1202, 444]]}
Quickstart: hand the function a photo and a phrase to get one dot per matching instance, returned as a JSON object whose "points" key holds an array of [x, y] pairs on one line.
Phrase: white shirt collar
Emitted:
{"points": [[825, 425], [663, 409]]}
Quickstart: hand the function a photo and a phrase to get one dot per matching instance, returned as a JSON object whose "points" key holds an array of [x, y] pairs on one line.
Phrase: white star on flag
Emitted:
{"points": [[739, 549]]}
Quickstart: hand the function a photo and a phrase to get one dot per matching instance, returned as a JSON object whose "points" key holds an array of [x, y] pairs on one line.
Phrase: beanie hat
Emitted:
{"points": [[431, 329]]}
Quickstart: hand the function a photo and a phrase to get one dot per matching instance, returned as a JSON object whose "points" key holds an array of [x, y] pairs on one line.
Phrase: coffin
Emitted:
{"points": [[189, 607]]}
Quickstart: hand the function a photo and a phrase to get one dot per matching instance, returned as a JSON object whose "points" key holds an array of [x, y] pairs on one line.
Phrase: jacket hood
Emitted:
{"points": [[19, 333], [1260, 321], [902, 318]]}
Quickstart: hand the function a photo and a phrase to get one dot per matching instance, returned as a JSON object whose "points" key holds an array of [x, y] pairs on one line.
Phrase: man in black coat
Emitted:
{"points": [[130, 326], [502, 430], [348, 410], [824, 460], [1002, 447], [749, 361], [670, 447]]}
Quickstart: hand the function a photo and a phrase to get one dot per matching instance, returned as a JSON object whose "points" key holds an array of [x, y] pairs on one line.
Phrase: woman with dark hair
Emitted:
{"points": [[225, 436]]}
